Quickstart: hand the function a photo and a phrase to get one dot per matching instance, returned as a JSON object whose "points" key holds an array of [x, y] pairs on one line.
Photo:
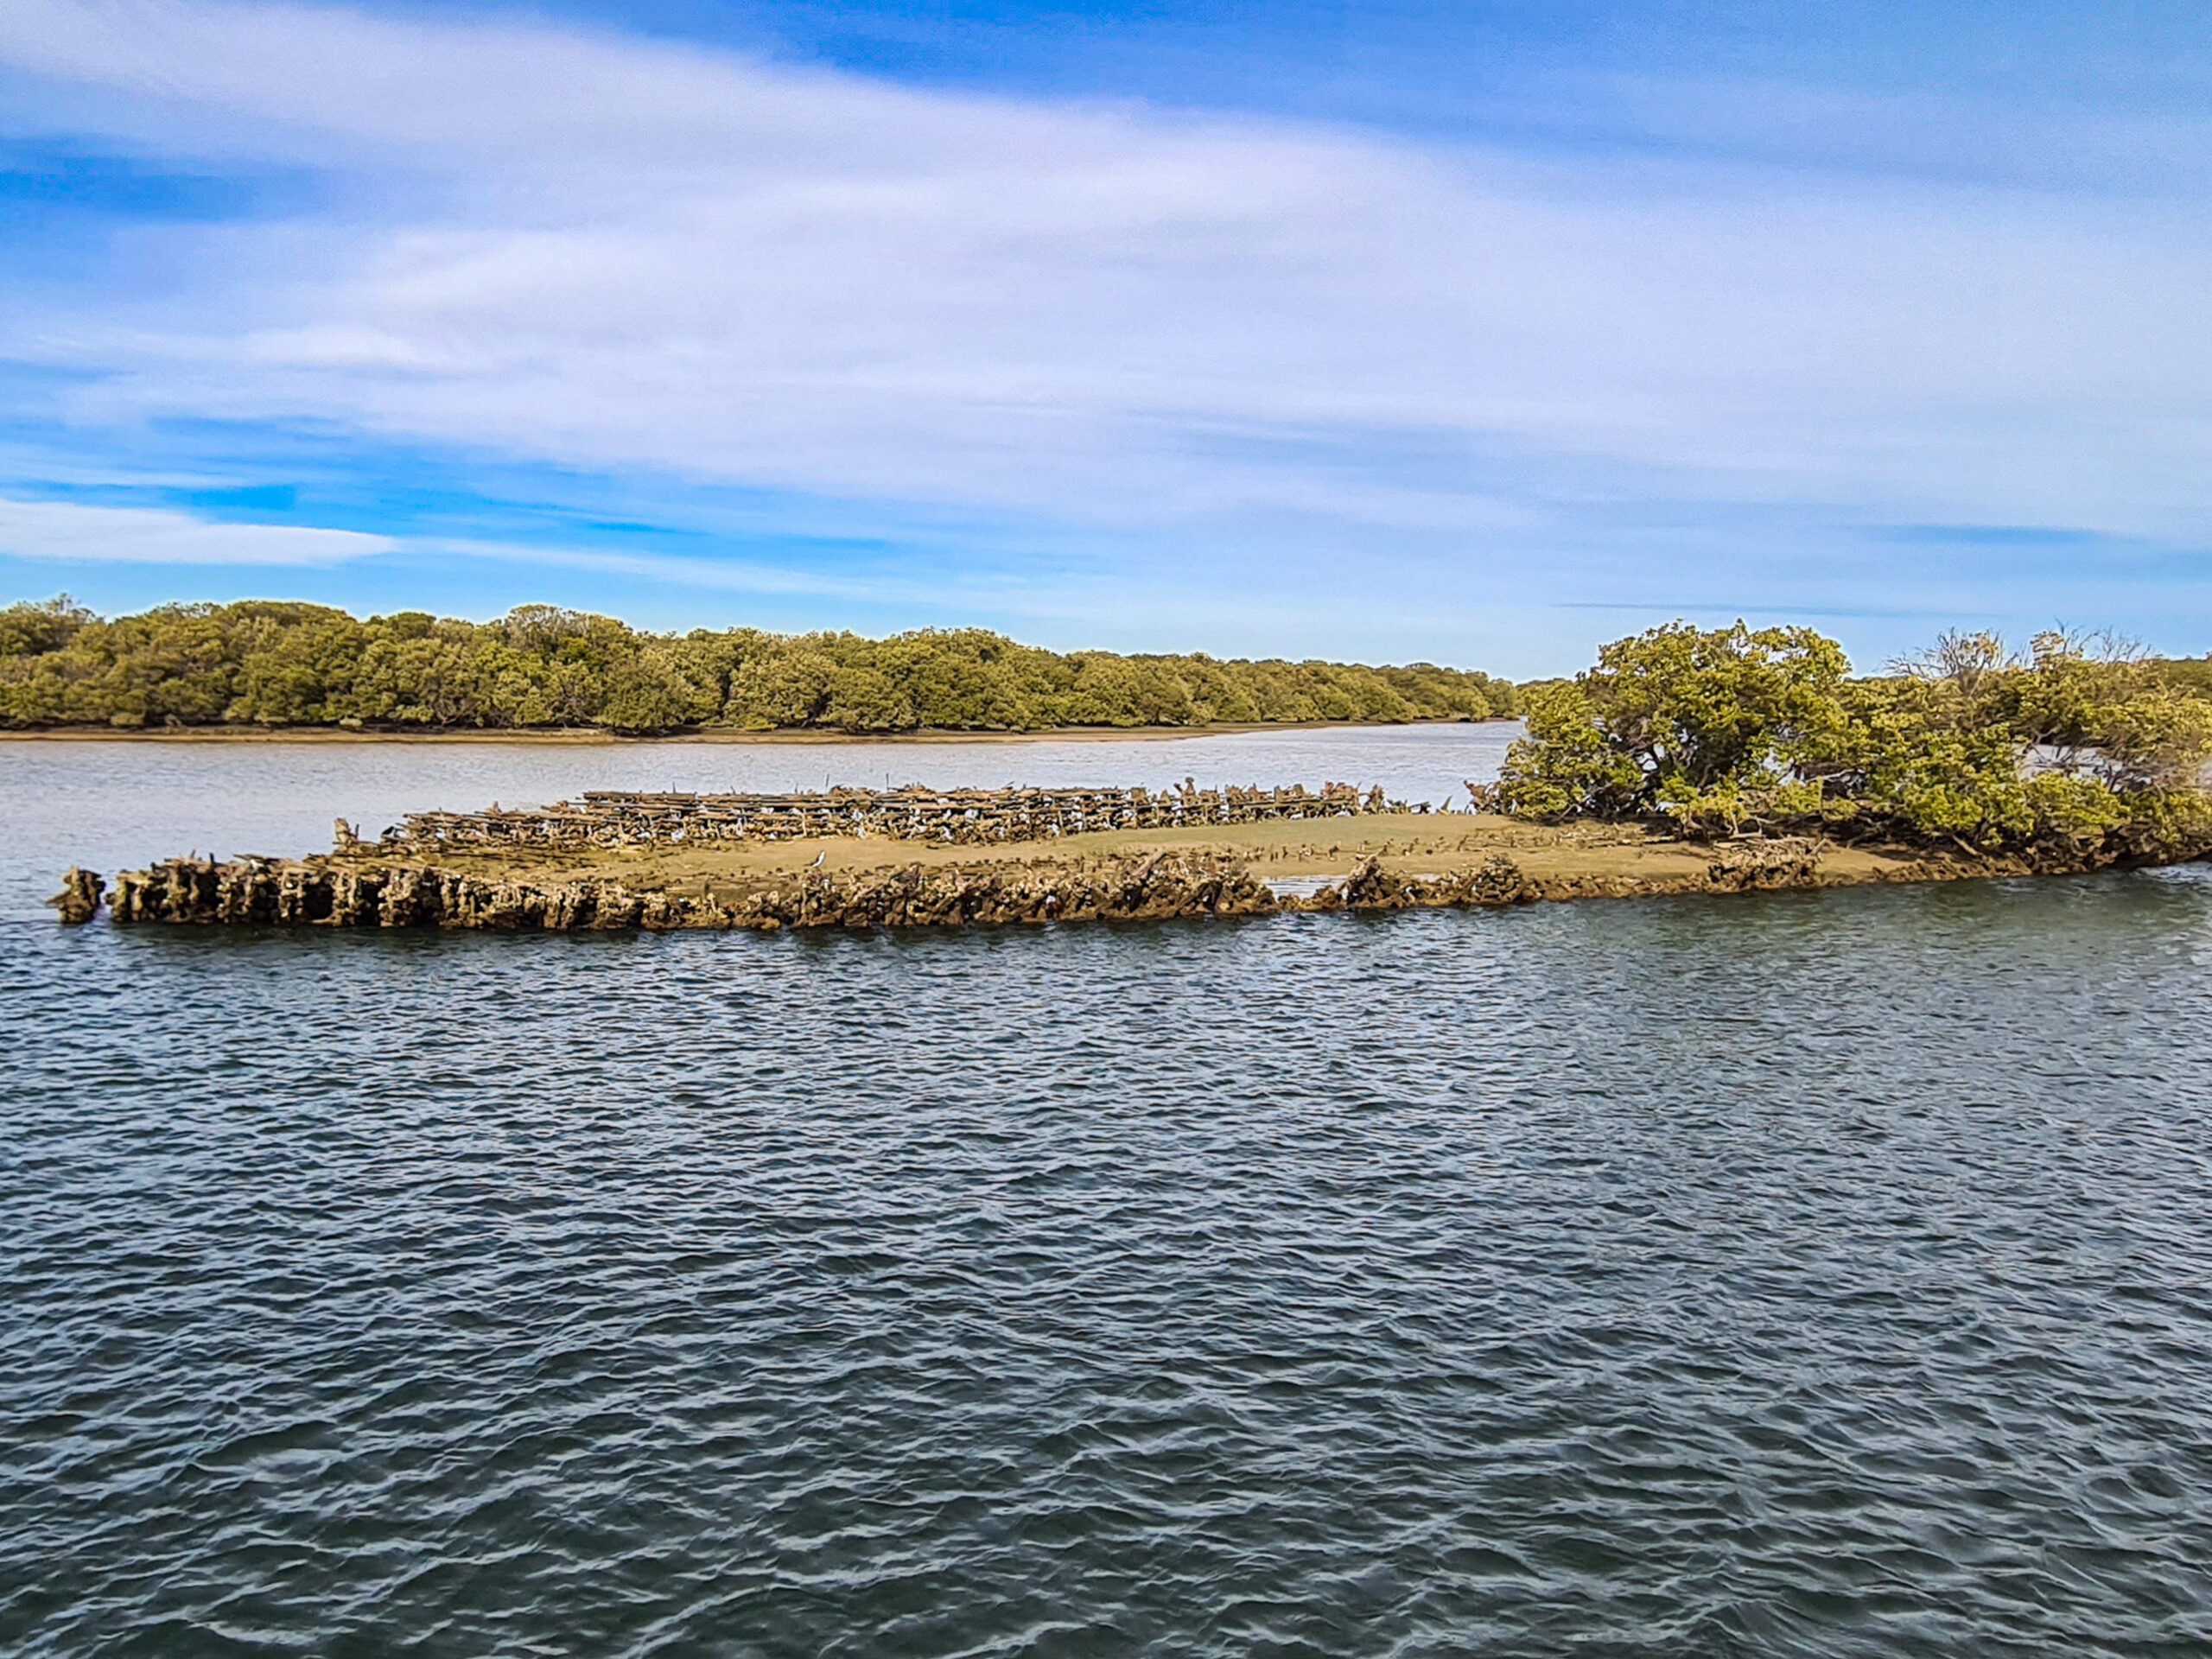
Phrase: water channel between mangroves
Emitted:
{"points": [[1819, 1273]]}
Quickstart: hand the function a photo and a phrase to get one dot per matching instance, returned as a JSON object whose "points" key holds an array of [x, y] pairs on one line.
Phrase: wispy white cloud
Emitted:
{"points": [[73, 532], [714, 575], [619, 254]]}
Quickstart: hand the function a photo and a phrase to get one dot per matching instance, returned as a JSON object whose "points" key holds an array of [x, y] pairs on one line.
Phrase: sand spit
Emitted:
{"points": [[1374, 862]]}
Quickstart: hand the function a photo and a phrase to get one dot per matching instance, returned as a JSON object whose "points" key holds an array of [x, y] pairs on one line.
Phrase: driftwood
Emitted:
{"points": [[609, 818]]}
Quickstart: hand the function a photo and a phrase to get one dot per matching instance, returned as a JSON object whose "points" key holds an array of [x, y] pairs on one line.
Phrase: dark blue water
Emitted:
{"points": [[1823, 1274]]}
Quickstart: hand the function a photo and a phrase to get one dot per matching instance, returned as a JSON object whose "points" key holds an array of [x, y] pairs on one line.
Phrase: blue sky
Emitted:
{"points": [[1476, 333]]}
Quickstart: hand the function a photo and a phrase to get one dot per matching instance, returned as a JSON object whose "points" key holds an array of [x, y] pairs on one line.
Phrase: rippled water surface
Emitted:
{"points": [[1821, 1274]]}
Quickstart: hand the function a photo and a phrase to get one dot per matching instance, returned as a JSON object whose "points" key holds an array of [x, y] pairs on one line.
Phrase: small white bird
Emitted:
{"points": [[819, 859]]}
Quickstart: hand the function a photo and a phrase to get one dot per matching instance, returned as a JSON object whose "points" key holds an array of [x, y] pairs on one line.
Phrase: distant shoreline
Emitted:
{"points": [[586, 735]]}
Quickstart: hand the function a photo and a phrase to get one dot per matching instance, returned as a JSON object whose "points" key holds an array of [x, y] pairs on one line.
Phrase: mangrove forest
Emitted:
{"points": [[270, 664]]}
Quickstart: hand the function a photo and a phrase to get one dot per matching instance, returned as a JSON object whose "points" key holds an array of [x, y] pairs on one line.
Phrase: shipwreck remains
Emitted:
{"points": [[607, 819], [363, 891], [327, 893], [949, 858], [78, 901]]}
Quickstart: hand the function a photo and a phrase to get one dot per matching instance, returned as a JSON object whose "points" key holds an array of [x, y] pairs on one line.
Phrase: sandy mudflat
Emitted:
{"points": [[1405, 844]]}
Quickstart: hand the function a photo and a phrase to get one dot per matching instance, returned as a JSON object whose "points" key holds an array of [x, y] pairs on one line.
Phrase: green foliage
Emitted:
{"points": [[2154, 739], [2083, 740], [1699, 726], [2192, 674], [287, 664], [1569, 766], [30, 630]]}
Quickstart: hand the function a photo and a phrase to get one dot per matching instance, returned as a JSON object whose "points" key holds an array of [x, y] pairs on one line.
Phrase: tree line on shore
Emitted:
{"points": [[2078, 740], [274, 663]]}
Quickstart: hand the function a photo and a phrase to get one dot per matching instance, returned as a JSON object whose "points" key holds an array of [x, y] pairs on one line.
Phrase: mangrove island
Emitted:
{"points": [[1685, 760]]}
